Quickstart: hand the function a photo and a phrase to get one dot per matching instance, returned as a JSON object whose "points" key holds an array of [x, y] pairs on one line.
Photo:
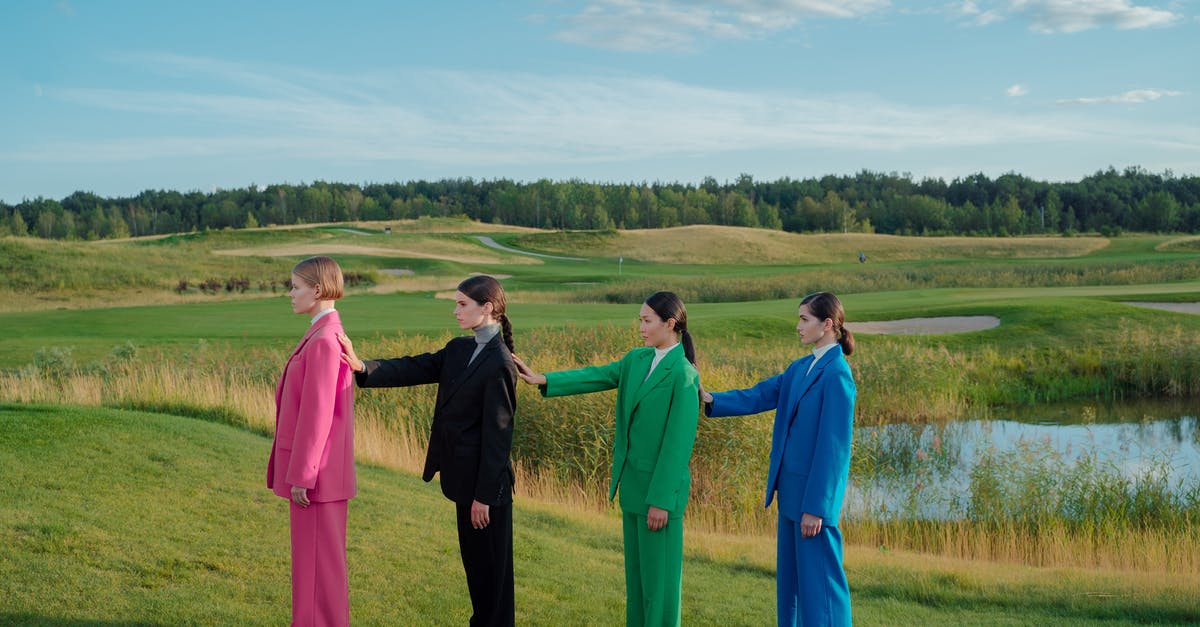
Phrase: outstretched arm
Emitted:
{"points": [[568, 382], [753, 400], [391, 373]]}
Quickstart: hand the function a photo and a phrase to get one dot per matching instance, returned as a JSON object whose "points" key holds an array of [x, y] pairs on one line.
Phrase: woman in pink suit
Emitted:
{"points": [[312, 458]]}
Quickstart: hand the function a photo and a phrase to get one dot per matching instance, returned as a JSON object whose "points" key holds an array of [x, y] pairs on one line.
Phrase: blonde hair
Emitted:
{"points": [[323, 273]]}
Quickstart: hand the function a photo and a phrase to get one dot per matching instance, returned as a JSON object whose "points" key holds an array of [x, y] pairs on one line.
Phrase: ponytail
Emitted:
{"points": [[506, 332], [689, 349], [846, 339]]}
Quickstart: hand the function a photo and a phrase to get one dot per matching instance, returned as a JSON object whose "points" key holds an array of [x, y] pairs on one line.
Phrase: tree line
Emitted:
{"points": [[1107, 202]]}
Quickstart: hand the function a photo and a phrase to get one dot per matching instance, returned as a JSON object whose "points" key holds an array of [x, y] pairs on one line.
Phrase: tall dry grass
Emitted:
{"points": [[563, 446]]}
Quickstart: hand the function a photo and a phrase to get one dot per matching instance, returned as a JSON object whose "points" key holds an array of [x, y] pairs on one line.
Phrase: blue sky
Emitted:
{"points": [[118, 97]]}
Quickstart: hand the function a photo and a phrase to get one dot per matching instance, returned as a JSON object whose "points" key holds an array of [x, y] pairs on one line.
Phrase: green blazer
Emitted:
{"points": [[655, 425]]}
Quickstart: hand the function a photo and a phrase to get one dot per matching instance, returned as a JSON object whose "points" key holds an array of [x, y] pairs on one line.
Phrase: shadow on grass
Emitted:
{"points": [[7, 618], [947, 591]]}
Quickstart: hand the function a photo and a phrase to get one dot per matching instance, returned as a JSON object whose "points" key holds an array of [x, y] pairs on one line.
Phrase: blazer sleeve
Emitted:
{"points": [[759, 398], [582, 380], [499, 404], [322, 360], [401, 371], [679, 438], [831, 451]]}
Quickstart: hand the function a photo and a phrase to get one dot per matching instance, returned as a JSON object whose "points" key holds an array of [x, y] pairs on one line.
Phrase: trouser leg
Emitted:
{"points": [[653, 572], [487, 562], [320, 579]]}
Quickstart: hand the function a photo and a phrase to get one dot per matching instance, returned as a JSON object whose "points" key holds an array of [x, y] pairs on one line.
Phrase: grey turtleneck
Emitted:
{"points": [[483, 334]]}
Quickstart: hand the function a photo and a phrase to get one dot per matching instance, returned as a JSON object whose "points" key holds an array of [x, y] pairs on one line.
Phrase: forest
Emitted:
{"points": [[1108, 202]]}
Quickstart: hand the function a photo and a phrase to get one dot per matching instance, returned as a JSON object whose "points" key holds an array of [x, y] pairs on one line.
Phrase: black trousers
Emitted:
{"points": [[487, 560]]}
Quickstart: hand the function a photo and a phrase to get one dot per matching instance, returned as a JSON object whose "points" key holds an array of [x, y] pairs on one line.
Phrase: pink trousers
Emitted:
{"points": [[320, 584]]}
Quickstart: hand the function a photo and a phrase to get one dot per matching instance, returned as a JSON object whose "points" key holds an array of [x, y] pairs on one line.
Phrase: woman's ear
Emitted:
{"points": [[671, 323], [488, 308]]}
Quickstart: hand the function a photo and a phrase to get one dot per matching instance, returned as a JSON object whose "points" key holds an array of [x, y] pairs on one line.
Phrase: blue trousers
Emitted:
{"points": [[810, 585]]}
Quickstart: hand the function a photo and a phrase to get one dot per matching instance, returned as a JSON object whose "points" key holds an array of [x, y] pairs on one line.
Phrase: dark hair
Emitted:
{"points": [[667, 305], [482, 289], [825, 305]]}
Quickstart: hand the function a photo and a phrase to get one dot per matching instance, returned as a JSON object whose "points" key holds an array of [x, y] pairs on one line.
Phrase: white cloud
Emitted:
{"points": [[641, 25], [468, 119], [1016, 91], [1136, 96], [1070, 16]]}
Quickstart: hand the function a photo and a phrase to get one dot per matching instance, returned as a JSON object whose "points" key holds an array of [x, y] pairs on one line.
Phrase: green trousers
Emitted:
{"points": [[653, 572]]}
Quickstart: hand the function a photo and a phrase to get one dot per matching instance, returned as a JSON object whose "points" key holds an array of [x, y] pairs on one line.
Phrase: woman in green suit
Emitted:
{"points": [[658, 405]]}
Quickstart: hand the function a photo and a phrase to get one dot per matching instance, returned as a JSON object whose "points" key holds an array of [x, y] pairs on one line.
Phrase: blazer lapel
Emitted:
{"points": [[312, 330], [487, 353], [634, 386], [807, 382], [661, 371]]}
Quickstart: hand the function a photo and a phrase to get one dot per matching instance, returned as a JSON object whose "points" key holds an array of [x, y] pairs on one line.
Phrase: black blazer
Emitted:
{"points": [[471, 435]]}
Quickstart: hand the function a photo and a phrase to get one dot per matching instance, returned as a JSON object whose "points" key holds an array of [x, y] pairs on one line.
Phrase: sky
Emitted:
{"points": [[119, 97]]}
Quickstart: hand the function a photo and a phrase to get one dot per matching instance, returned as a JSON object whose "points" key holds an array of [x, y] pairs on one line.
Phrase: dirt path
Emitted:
{"points": [[926, 326], [1190, 308], [487, 241]]}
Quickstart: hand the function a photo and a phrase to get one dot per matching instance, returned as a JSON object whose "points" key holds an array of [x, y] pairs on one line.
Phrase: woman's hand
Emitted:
{"points": [[300, 495], [656, 518], [810, 525], [348, 356], [527, 374], [479, 515], [705, 397]]}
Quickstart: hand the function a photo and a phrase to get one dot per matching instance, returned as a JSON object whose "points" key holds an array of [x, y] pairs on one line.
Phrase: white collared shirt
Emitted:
{"points": [[320, 315], [659, 353], [818, 353]]}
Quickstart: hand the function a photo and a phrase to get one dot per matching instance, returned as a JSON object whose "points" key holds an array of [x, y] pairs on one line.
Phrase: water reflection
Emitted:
{"points": [[935, 472]]}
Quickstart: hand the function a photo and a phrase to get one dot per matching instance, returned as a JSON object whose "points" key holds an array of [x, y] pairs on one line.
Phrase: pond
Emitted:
{"points": [[951, 471]]}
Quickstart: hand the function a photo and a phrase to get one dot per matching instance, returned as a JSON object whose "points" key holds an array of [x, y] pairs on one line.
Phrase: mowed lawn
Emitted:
{"points": [[114, 517]]}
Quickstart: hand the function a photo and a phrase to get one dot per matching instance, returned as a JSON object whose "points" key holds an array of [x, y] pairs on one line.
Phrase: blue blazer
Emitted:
{"points": [[810, 444]]}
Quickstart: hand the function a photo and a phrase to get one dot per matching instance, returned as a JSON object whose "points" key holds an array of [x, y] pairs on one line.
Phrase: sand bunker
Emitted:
{"points": [[1190, 308], [308, 249], [926, 326]]}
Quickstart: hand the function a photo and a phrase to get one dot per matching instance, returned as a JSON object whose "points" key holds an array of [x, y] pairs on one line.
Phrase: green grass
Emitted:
{"points": [[112, 517]]}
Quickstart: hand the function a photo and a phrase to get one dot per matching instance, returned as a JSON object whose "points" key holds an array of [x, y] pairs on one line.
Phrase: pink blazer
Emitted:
{"points": [[314, 419]]}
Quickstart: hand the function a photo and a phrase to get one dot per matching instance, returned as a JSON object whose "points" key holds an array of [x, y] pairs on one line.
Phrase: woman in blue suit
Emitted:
{"points": [[810, 460]]}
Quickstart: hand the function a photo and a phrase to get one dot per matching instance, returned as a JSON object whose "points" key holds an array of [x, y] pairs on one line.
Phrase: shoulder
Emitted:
{"points": [[325, 337], [462, 341], [690, 376], [838, 371], [797, 363], [640, 351]]}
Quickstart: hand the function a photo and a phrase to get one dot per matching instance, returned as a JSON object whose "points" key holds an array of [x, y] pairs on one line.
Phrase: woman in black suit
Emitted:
{"points": [[471, 436]]}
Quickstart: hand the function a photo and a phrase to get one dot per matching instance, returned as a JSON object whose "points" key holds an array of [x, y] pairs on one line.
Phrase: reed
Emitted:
{"points": [[562, 446]]}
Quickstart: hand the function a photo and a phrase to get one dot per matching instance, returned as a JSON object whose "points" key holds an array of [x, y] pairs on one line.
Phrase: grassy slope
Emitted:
{"points": [[710, 244], [124, 517]]}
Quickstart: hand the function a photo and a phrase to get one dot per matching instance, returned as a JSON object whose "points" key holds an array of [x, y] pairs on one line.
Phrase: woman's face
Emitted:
{"points": [[655, 331], [305, 297], [811, 328], [470, 314]]}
